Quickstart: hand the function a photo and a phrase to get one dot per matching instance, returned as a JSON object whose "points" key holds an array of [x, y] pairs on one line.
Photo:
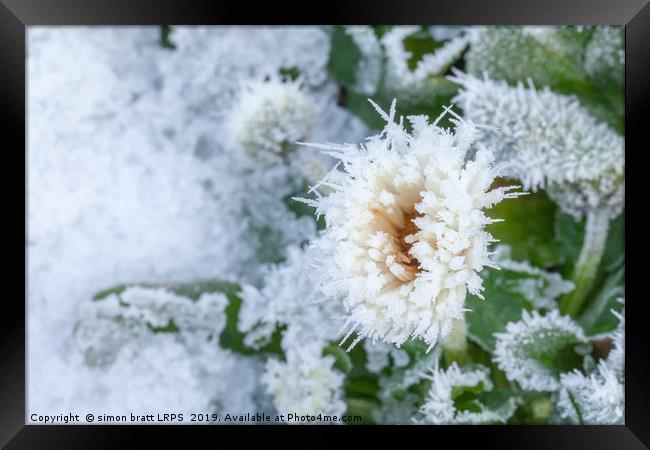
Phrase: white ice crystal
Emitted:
{"points": [[269, 117], [600, 397], [597, 398], [397, 70], [521, 351], [549, 141], [439, 407], [288, 298], [405, 236], [305, 385]]}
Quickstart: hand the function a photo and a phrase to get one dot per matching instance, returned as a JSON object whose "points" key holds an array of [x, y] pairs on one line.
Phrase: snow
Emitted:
{"points": [[130, 180]]}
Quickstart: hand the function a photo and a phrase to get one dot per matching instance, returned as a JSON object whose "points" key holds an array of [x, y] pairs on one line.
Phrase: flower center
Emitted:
{"points": [[403, 248]]}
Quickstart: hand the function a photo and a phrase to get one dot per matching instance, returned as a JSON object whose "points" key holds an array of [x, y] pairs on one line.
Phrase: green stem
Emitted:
{"points": [[586, 268], [455, 345]]}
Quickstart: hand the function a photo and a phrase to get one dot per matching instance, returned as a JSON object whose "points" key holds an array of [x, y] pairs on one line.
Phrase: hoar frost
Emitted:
{"points": [[549, 141], [269, 117], [522, 349], [405, 237], [440, 409], [599, 397], [306, 384]]}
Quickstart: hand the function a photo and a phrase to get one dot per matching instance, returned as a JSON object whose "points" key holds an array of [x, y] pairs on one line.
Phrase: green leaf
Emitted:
{"points": [[165, 41], [343, 362], [501, 305], [419, 44], [361, 407], [230, 338], [291, 73], [527, 227], [169, 328], [344, 57], [233, 339], [117, 290]]}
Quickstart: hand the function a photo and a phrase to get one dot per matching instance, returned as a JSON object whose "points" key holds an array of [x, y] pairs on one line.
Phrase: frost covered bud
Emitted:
{"points": [[405, 238], [549, 141], [269, 117], [306, 385]]}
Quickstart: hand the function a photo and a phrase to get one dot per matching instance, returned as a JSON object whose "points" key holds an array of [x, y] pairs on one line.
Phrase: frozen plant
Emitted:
{"points": [[454, 398], [595, 399], [599, 397], [306, 384], [550, 141], [107, 324], [539, 287], [288, 299], [369, 73], [405, 237], [400, 76], [529, 350], [269, 117]]}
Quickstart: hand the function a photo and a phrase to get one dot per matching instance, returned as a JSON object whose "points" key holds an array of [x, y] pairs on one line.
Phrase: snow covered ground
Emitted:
{"points": [[131, 178]]}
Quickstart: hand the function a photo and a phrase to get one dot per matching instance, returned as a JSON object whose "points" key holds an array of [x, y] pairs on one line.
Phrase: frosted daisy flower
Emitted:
{"points": [[305, 385], [549, 141], [269, 117], [440, 407], [405, 238], [524, 350]]}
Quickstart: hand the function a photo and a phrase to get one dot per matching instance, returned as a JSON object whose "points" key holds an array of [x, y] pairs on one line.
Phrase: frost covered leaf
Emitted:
{"points": [[599, 397], [117, 315], [516, 287], [511, 54], [288, 303], [552, 57], [537, 349], [389, 62], [539, 287], [549, 141], [500, 306], [175, 301], [464, 396]]}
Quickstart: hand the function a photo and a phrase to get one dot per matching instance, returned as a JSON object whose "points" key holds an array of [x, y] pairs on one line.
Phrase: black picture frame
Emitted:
{"points": [[16, 15]]}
